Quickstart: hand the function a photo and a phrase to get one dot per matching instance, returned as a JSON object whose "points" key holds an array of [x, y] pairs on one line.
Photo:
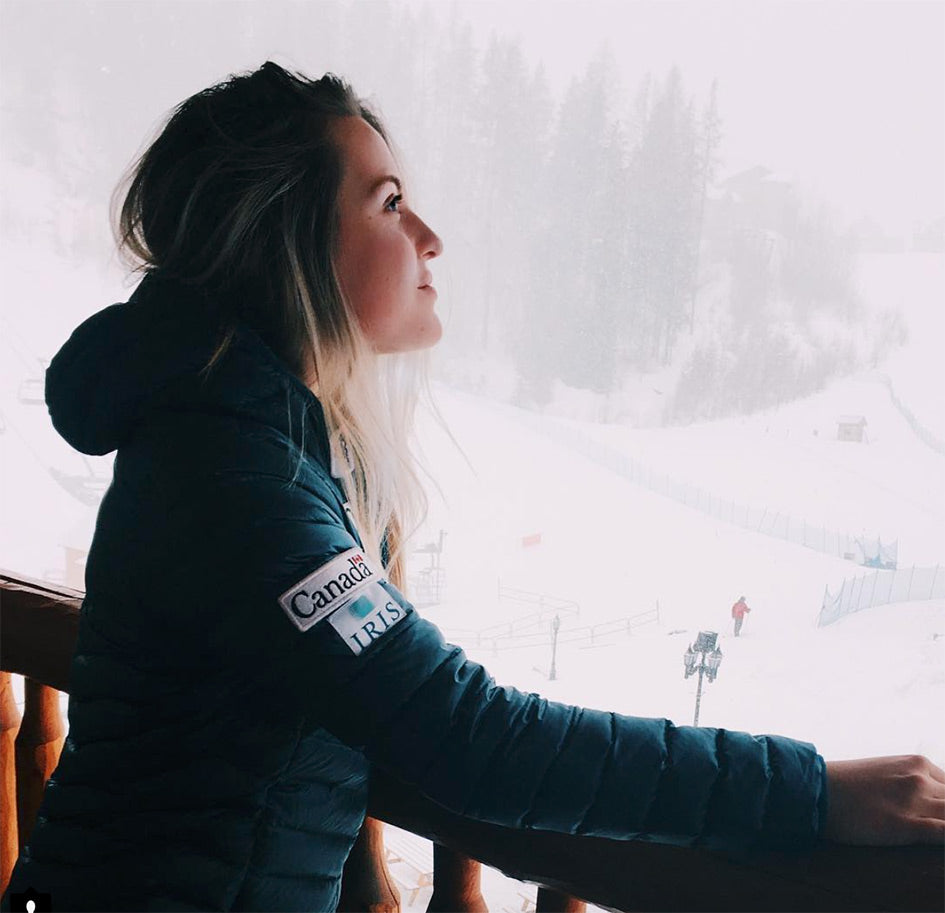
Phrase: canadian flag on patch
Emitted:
{"points": [[529, 541]]}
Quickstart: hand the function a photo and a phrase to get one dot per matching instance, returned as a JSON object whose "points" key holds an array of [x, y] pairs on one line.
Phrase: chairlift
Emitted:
{"points": [[426, 587], [433, 549]]}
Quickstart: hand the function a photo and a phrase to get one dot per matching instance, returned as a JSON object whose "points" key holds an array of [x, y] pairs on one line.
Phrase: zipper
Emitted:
{"points": [[351, 527]]}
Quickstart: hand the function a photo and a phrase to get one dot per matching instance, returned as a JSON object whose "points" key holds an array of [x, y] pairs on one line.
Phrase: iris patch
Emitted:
{"points": [[365, 619]]}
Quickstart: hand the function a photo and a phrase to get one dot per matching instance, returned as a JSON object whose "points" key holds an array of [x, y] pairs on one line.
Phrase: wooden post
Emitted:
{"points": [[38, 745], [456, 883], [366, 885], [9, 725]]}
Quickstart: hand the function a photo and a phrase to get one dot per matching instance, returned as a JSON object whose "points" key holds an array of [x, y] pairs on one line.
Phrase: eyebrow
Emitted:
{"points": [[387, 179]]}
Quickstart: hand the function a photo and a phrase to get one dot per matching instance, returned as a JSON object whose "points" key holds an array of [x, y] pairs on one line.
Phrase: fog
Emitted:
{"points": [[690, 248], [845, 97], [681, 195]]}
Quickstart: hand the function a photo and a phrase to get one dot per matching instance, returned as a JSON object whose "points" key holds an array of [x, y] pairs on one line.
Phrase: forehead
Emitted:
{"points": [[364, 154]]}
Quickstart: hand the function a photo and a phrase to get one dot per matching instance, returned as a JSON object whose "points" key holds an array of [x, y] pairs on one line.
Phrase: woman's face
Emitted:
{"points": [[384, 248]]}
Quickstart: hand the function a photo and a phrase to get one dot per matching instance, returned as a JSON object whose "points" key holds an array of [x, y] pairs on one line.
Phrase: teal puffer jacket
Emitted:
{"points": [[240, 663]]}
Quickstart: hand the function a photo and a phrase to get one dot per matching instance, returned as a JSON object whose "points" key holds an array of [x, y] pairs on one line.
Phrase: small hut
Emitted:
{"points": [[851, 428]]}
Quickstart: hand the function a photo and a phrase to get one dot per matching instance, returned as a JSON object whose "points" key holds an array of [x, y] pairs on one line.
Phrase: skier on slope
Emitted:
{"points": [[739, 611]]}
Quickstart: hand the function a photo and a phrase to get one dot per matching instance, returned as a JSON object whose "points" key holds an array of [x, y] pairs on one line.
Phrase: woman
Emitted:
{"points": [[244, 651]]}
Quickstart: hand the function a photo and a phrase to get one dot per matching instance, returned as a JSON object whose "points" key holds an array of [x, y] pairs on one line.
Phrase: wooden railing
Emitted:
{"points": [[38, 624]]}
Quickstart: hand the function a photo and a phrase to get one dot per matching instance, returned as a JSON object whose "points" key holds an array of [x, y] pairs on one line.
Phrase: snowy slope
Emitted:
{"points": [[618, 549], [790, 461]]}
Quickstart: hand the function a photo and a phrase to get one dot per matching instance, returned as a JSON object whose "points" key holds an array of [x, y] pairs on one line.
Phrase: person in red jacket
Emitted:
{"points": [[738, 613]]}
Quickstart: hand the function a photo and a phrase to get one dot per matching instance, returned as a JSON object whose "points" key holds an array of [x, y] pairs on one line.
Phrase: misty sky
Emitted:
{"points": [[847, 96]]}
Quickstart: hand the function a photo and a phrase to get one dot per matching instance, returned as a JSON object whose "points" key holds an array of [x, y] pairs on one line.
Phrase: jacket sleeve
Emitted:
{"points": [[419, 708]]}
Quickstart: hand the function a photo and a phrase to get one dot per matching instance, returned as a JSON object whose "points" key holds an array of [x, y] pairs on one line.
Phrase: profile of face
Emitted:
{"points": [[383, 247]]}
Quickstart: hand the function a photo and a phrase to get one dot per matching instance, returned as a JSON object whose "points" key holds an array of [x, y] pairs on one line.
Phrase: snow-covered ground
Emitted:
{"points": [[789, 461], [618, 549]]}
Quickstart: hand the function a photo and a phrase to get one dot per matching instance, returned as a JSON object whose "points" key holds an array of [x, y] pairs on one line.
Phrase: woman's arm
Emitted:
{"points": [[381, 678], [418, 707]]}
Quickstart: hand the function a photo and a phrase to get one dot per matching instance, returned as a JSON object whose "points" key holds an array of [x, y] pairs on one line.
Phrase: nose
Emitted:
{"points": [[428, 241]]}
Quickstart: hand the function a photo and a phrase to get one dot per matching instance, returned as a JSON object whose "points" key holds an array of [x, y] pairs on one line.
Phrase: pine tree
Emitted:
{"points": [[665, 198]]}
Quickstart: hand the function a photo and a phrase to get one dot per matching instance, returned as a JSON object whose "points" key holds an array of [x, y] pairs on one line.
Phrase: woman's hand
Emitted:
{"points": [[885, 801]]}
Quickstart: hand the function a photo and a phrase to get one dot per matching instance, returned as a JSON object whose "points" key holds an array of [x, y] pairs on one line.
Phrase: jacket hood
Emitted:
{"points": [[148, 355]]}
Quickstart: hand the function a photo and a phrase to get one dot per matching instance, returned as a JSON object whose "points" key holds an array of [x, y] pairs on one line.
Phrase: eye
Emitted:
{"points": [[392, 204]]}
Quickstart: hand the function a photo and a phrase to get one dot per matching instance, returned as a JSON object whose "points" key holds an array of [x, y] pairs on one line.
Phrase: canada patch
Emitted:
{"points": [[334, 584]]}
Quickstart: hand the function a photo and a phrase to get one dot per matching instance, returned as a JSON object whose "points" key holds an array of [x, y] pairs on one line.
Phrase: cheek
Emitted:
{"points": [[380, 296], [387, 278], [379, 274], [365, 282]]}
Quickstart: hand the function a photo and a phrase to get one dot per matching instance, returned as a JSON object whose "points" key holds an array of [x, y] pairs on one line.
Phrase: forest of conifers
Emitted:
{"points": [[589, 237]]}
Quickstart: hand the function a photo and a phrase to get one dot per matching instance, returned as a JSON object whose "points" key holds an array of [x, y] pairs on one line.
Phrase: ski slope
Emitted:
{"points": [[618, 549]]}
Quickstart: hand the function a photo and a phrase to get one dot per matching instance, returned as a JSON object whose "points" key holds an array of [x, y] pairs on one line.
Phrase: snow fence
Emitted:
{"points": [[920, 431], [881, 588], [537, 629], [873, 551]]}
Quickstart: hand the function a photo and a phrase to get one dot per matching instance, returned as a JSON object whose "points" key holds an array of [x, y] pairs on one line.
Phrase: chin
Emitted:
{"points": [[436, 334], [424, 337]]}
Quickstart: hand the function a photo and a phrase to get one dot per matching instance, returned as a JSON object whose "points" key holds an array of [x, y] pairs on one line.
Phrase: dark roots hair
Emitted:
{"points": [[237, 196]]}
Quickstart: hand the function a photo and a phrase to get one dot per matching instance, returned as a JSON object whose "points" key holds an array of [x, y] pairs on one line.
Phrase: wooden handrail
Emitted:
{"points": [[39, 623], [634, 875], [621, 875]]}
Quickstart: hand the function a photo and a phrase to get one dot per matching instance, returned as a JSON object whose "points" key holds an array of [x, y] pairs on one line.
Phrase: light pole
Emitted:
{"points": [[703, 657], [555, 625]]}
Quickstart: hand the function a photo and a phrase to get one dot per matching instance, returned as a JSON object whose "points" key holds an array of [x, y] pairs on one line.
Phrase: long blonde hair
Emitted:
{"points": [[237, 195]]}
